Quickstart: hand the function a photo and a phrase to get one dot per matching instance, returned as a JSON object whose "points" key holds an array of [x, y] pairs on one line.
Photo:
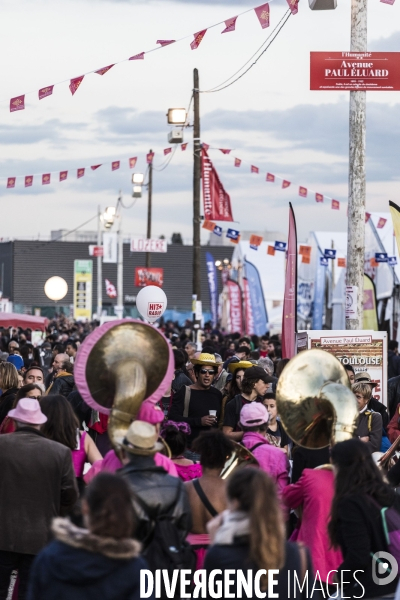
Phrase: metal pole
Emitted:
{"points": [[119, 308], [99, 269], [196, 187], [149, 198], [356, 216]]}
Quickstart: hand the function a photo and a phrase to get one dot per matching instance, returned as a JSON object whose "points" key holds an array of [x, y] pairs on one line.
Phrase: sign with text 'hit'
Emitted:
{"points": [[142, 245], [360, 71], [83, 289]]}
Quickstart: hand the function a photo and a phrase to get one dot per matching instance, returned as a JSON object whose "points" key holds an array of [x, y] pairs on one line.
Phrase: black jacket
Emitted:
{"points": [[360, 534], [81, 409], [308, 458], [393, 364], [393, 388], [377, 406], [157, 494], [63, 384], [236, 557], [6, 402]]}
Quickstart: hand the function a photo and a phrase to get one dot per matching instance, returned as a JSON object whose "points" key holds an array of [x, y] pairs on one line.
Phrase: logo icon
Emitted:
{"points": [[383, 563]]}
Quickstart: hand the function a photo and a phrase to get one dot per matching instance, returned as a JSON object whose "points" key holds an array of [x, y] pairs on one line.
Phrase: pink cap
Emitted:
{"points": [[253, 414], [150, 413], [28, 411]]}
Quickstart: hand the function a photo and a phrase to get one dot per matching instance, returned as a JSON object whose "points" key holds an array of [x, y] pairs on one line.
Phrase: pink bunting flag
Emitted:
{"points": [[224, 150], [254, 169], [335, 204], [46, 179], [285, 184], [381, 223], [104, 70], [17, 103], [132, 162], [165, 42], [94, 167], [270, 177], [75, 83], [167, 151], [184, 146], [149, 157], [115, 165], [319, 198], [230, 25], [303, 192], [63, 175], [138, 56], [294, 6], [388, 2], [367, 216], [80, 173], [238, 162], [205, 147], [46, 91], [11, 182], [28, 180], [198, 37], [262, 13]]}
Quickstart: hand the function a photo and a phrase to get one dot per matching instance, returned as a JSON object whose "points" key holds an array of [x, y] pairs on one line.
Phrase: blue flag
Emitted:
{"points": [[381, 257], [213, 287], [233, 234], [217, 230], [258, 307], [281, 246], [330, 253]]}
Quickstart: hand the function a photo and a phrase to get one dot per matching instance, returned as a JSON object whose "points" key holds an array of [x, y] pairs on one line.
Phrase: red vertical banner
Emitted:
{"points": [[217, 203], [235, 307], [249, 319], [289, 316]]}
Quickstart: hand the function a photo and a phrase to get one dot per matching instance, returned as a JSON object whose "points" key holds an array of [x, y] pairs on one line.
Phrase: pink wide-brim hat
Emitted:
{"points": [[83, 357], [28, 411]]}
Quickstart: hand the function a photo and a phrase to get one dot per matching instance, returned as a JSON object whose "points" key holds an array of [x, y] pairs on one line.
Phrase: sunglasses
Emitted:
{"points": [[209, 371], [35, 397]]}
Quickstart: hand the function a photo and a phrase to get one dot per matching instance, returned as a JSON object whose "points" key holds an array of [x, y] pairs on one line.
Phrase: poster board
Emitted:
{"points": [[83, 270], [365, 350]]}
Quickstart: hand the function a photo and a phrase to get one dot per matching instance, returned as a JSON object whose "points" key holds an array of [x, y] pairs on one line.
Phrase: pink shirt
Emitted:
{"points": [[111, 463], [272, 460]]}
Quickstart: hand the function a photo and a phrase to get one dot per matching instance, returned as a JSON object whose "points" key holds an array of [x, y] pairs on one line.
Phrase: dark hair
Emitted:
{"points": [[393, 345], [67, 366], [254, 490], [244, 339], [179, 358], [175, 439], [36, 367], [62, 423], [264, 338], [197, 368], [73, 344], [348, 367], [245, 349], [254, 354], [248, 385], [357, 475], [111, 512], [280, 366], [60, 348], [214, 448], [23, 390], [255, 428]]}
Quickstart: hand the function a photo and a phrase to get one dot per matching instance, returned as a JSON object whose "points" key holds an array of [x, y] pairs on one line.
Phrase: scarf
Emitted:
{"points": [[235, 523]]}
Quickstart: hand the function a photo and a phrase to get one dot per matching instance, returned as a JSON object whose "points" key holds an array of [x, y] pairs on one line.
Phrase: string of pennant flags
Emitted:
{"points": [[262, 13]]}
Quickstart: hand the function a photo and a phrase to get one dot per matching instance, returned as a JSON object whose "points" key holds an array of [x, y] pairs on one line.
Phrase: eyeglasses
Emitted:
{"points": [[209, 371]]}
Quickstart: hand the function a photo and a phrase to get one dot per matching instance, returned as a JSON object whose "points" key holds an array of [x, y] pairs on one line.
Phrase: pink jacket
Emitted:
{"points": [[272, 460], [314, 491], [111, 463]]}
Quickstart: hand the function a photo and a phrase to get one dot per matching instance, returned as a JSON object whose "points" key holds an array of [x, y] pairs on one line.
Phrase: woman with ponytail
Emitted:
{"points": [[251, 535], [102, 561]]}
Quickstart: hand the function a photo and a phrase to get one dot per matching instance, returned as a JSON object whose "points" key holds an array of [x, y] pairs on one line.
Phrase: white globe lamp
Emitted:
{"points": [[56, 288]]}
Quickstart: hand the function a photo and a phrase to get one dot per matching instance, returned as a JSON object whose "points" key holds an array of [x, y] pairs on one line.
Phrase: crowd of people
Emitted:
{"points": [[81, 519]]}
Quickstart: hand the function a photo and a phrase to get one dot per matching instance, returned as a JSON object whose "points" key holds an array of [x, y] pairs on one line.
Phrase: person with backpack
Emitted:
{"points": [[362, 523]]}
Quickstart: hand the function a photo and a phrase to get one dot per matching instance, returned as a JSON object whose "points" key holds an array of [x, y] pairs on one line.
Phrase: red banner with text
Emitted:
{"points": [[149, 276], [235, 307], [217, 203]]}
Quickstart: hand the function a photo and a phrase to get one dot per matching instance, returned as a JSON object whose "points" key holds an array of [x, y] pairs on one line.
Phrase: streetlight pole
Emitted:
{"points": [[149, 198], [119, 307], [99, 269], [356, 215], [196, 187]]}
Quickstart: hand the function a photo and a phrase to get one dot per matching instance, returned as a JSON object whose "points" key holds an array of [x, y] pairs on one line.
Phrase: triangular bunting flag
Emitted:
{"points": [[198, 37], [104, 70], [230, 25], [75, 83]]}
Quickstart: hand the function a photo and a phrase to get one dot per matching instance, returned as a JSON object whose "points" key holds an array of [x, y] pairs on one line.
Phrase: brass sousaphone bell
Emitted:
{"points": [[314, 400], [119, 365]]}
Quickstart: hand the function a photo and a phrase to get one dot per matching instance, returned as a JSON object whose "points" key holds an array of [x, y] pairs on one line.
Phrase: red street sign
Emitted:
{"points": [[150, 276], [96, 250], [356, 71]]}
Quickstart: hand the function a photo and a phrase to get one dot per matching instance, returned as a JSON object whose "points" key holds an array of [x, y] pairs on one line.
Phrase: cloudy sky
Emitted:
{"points": [[269, 117]]}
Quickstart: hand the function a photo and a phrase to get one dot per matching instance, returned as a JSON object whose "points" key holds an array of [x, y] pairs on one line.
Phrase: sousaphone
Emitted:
{"points": [[314, 400], [119, 366]]}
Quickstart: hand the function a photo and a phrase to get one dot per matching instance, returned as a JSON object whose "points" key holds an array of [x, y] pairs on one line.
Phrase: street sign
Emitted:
{"points": [[357, 71], [150, 245], [96, 250], [149, 276], [83, 289]]}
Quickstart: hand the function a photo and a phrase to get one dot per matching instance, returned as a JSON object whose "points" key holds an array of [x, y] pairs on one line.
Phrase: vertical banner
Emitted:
{"points": [[395, 213], [217, 203], [83, 270], [212, 285], [370, 312], [258, 307], [235, 307], [289, 316], [110, 245], [319, 295], [249, 318]]}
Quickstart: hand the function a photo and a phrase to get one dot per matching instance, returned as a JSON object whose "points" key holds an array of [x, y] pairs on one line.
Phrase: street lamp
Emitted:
{"points": [[176, 116], [137, 191], [137, 178], [108, 216], [322, 4]]}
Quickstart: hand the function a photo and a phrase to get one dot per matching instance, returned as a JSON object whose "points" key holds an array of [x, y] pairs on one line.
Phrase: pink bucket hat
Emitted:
{"points": [[253, 414], [28, 411], [150, 413]]}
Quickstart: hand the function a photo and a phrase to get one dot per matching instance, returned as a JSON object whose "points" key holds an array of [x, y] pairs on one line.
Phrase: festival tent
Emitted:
{"points": [[24, 321]]}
